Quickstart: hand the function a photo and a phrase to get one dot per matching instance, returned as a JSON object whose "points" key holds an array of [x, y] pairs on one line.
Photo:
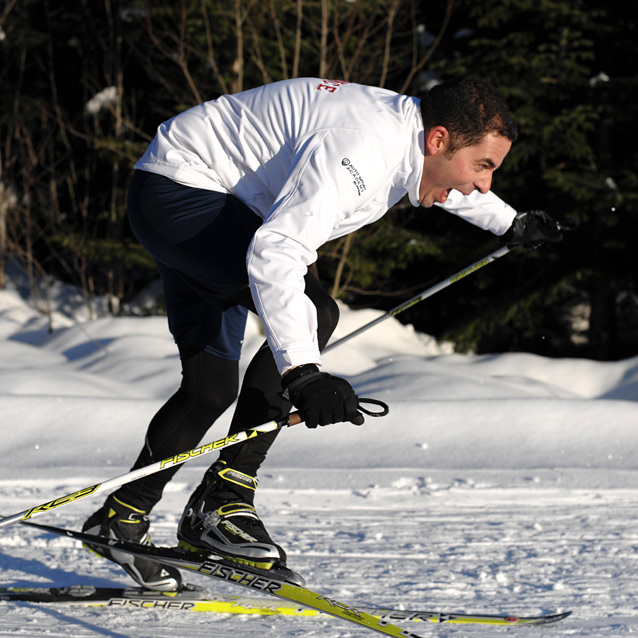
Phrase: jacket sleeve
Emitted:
{"points": [[487, 211], [329, 183]]}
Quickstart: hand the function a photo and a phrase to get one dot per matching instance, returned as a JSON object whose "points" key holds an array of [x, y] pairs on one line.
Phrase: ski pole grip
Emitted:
{"points": [[294, 418]]}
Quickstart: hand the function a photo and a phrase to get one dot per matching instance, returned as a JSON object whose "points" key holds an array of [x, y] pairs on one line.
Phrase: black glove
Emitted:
{"points": [[320, 398], [532, 229]]}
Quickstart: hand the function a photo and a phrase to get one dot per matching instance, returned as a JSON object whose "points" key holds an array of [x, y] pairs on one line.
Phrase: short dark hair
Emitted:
{"points": [[469, 107]]}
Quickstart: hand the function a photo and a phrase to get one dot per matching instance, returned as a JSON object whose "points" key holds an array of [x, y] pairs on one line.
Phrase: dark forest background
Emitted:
{"points": [[85, 83]]}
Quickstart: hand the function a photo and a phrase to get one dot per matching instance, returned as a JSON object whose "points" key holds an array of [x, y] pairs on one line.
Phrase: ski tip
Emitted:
{"points": [[558, 616], [545, 620]]}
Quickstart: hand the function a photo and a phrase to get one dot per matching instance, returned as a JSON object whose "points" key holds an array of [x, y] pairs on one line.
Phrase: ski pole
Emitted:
{"points": [[424, 295], [172, 461]]}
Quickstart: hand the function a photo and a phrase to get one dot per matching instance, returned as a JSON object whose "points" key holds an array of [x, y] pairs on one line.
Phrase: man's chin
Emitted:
{"points": [[427, 201]]}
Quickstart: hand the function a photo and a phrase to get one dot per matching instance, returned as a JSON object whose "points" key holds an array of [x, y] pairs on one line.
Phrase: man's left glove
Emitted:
{"points": [[532, 229], [320, 398]]}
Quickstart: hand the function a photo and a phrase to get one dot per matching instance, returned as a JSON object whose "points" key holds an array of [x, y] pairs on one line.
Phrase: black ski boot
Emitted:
{"points": [[220, 519], [116, 519]]}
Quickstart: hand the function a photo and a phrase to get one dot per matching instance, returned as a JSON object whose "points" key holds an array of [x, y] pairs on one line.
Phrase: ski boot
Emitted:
{"points": [[116, 519], [220, 519]]}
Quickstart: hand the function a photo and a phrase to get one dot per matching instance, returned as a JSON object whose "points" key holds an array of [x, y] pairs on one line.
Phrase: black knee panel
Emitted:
{"points": [[327, 309]]}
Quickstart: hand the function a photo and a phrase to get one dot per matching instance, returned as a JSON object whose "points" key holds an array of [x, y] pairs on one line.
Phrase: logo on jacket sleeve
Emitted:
{"points": [[358, 180]]}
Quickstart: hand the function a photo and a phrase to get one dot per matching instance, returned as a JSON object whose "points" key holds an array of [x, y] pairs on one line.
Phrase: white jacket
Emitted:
{"points": [[315, 159]]}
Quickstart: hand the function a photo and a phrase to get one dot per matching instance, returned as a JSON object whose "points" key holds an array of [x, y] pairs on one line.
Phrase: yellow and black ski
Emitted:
{"points": [[197, 599], [270, 582], [283, 584]]}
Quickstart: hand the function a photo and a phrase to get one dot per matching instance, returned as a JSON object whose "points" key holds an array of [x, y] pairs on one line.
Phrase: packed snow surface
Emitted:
{"points": [[497, 483]]}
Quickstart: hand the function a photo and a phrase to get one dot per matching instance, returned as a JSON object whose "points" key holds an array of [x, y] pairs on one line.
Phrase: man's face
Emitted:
{"points": [[468, 169]]}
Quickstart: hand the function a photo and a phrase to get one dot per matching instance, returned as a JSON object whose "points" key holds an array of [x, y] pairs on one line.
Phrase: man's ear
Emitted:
{"points": [[437, 140]]}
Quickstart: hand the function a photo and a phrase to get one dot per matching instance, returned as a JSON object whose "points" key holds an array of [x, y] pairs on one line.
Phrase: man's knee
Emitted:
{"points": [[327, 309], [209, 383], [327, 320]]}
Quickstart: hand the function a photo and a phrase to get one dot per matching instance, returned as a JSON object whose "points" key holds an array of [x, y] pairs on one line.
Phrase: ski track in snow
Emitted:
{"points": [[491, 541]]}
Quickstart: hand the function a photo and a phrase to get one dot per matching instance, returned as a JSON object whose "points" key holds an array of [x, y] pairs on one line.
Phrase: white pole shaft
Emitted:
{"points": [[424, 295], [158, 466]]}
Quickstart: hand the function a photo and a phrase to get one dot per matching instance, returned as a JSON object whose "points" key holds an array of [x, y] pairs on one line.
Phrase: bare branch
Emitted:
{"points": [[424, 60]]}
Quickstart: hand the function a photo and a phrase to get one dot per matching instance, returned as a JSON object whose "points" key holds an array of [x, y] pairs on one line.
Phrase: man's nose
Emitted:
{"points": [[483, 185]]}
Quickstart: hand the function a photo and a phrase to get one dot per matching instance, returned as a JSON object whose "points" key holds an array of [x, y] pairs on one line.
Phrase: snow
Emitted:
{"points": [[497, 483], [101, 100]]}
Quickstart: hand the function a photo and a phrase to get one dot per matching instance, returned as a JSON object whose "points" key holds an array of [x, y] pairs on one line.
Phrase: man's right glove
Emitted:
{"points": [[320, 398], [532, 229]]}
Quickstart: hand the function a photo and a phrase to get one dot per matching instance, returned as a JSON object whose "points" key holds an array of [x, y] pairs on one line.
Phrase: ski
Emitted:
{"points": [[89, 596], [257, 580], [196, 599], [289, 586]]}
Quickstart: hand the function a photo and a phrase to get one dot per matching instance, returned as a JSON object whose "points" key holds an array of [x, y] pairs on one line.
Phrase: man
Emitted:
{"points": [[233, 198]]}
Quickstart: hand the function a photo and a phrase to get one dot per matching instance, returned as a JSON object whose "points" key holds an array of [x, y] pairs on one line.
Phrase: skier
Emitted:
{"points": [[233, 198]]}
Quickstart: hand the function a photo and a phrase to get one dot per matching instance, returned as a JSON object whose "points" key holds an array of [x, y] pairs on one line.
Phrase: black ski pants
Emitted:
{"points": [[199, 241]]}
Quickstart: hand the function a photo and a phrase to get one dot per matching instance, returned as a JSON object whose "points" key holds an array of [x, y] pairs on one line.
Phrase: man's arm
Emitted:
{"points": [[330, 187], [485, 210]]}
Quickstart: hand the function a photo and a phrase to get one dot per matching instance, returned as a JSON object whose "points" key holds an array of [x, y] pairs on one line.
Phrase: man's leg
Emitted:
{"points": [[220, 515], [209, 386], [260, 398], [199, 240]]}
